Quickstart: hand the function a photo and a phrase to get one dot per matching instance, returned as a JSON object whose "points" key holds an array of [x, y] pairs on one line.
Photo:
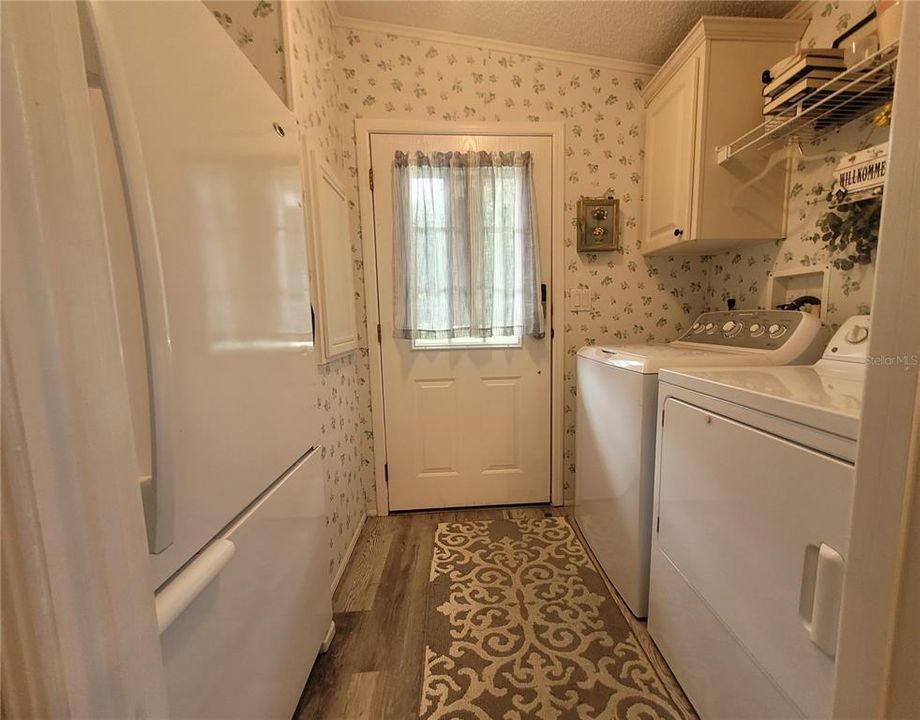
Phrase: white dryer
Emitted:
{"points": [[616, 426], [753, 493]]}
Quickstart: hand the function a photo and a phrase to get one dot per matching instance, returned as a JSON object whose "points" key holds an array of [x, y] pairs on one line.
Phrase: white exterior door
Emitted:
{"points": [[467, 421]]}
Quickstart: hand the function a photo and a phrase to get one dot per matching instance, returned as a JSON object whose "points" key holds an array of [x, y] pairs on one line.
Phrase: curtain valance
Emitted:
{"points": [[462, 159]]}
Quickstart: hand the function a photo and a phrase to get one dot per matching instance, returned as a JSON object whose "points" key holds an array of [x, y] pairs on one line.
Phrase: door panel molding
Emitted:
{"points": [[497, 457], [364, 129], [433, 449]]}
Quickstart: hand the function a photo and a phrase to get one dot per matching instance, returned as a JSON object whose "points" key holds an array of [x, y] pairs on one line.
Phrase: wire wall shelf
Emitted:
{"points": [[853, 93]]}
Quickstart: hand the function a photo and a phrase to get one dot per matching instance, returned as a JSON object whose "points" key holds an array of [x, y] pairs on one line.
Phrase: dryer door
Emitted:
{"points": [[752, 522]]}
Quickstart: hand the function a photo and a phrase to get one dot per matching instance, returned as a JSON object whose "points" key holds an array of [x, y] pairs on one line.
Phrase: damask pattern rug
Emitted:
{"points": [[520, 625]]}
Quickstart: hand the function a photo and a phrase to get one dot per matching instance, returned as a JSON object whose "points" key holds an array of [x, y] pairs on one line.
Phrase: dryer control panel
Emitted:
{"points": [[751, 329], [850, 342]]}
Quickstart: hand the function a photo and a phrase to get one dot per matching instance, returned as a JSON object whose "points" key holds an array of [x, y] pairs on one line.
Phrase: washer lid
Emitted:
{"points": [[826, 396], [649, 359]]}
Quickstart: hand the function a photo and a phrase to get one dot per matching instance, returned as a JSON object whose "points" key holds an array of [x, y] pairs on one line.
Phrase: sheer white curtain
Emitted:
{"points": [[466, 258]]}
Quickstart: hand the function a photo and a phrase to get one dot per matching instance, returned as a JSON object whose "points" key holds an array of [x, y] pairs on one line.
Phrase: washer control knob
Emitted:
{"points": [[776, 330], [709, 327], [756, 329], [696, 326], [732, 328], [857, 334]]}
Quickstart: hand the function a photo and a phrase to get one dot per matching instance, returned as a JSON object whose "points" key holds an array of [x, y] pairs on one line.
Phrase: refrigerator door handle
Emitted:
{"points": [[182, 590], [156, 488]]}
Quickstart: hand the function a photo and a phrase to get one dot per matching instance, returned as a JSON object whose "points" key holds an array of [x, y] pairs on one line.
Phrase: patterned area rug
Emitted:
{"points": [[520, 625]]}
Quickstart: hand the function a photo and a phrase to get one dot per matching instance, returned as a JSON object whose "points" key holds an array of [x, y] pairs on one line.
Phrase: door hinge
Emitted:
{"points": [[386, 473], [379, 333], [552, 333], [370, 178]]}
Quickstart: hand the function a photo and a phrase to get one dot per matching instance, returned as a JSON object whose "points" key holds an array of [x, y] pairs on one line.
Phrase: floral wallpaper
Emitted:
{"points": [[344, 400], [339, 74], [744, 274], [315, 87], [255, 25], [344, 391], [634, 298]]}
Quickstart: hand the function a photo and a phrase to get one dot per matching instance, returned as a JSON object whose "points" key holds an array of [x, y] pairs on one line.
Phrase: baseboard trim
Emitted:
{"points": [[348, 552]]}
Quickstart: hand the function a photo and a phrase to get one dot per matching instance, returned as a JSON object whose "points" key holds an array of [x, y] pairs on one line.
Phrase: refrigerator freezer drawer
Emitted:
{"points": [[243, 648]]}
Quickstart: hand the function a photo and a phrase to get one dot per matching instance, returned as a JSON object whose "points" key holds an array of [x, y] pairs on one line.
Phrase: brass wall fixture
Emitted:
{"points": [[598, 224]]}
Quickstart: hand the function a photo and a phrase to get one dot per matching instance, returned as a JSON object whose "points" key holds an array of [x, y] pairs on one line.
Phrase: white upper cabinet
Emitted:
{"points": [[707, 93], [329, 233], [669, 159]]}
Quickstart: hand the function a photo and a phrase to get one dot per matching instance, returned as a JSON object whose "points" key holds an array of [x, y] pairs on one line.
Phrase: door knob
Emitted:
{"points": [[678, 232]]}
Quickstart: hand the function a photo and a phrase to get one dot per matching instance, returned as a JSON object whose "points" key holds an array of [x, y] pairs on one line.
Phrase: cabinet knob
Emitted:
{"points": [[678, 232]]}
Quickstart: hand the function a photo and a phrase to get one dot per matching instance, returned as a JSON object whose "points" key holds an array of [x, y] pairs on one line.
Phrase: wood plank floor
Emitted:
{"points": [[374, 668]]}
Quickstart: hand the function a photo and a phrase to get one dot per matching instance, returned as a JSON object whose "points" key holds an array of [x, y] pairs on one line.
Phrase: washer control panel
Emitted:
{"points": [[754, 329]]}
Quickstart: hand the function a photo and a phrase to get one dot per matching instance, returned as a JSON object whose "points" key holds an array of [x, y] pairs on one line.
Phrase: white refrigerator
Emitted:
{"points": [[202, 188]]}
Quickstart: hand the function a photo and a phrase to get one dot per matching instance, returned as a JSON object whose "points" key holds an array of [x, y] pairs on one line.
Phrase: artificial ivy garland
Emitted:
{"points": [[851, 230]]}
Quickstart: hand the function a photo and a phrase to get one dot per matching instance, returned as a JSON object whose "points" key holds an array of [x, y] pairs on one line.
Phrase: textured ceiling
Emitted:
{"points": [[642, 31]]}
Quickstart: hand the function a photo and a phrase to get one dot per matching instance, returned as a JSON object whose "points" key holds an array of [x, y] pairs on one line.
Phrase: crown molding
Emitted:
{"points": [[753, 29], [802, 10], [334, 12], [475, 41], [723, 28]]}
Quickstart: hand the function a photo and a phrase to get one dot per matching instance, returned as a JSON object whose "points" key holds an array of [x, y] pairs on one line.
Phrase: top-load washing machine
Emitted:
{"points": [[616, 425], [753, 495]]}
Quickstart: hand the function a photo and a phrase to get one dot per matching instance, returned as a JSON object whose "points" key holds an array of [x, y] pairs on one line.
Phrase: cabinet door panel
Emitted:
{"points": [[669, 162]]}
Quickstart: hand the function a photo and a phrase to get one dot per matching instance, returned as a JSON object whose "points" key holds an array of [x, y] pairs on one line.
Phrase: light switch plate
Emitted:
{"points": [[581, 299]]}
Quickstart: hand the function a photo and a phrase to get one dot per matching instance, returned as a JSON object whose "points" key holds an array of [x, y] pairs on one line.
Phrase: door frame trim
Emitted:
{"points": [[873, 659], [364, 128]]}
